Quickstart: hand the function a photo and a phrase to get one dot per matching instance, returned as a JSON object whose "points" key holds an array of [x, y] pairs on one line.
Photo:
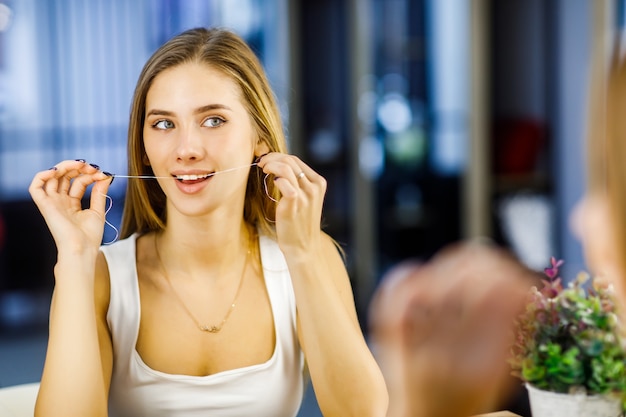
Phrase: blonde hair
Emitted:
{"points": [[145, 208], [606, 144]]}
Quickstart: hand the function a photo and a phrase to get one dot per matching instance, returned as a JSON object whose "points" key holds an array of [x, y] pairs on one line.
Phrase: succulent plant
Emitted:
{"points": [[569, 339]]}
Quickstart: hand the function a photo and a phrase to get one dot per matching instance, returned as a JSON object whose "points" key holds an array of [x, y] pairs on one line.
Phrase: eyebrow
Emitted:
{"points": [[199, 110]]}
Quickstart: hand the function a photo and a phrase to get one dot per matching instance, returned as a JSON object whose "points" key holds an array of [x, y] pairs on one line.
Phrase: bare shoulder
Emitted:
{"points": [[332, 248]]}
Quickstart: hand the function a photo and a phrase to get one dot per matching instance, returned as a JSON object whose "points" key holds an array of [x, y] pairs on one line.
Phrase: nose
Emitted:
{"points": [[189, 145]]}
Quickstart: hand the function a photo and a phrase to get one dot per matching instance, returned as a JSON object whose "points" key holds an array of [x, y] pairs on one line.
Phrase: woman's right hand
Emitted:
{"points": [[58, 192]]}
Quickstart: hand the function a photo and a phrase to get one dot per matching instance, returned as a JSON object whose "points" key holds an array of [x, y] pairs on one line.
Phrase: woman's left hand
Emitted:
{"points": [[299, 210]]}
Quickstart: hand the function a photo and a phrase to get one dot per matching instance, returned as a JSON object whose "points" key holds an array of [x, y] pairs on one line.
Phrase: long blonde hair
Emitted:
{"points": [[221, 49], [606, 144]]}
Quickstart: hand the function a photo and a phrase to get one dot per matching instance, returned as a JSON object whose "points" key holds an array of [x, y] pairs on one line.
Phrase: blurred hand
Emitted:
{"points": [[442, 331]]}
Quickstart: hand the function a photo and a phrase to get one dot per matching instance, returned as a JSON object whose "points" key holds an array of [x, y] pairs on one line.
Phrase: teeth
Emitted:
{"points": [[191, 177]]}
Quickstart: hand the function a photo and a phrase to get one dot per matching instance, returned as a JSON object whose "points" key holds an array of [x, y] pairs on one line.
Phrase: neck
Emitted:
{"points": [[201, 247]]}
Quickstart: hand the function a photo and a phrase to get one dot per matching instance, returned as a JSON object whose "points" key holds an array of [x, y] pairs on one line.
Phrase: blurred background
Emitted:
{"points": [[432, 120]]}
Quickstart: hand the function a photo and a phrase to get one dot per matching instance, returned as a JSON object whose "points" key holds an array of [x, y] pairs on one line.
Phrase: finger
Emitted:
{"points": [[305, 176], [307, 184], [288, 167], [99, 195], [65, 172], [279, 166], [302, 190], [64, 182], [36, 188], [79, 184]]}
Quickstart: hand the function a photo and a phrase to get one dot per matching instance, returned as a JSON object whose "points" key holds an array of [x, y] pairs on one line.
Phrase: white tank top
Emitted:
{"points": [[271, 389]]}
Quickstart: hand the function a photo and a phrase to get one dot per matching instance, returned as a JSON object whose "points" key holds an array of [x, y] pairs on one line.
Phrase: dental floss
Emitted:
{"points": [[209, 175], [110, 200], [117, 232], [267, 193]]}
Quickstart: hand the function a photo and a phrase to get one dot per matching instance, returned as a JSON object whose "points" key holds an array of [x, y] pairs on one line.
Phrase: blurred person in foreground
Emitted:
{"points": [[442, 331], [599, 219]]}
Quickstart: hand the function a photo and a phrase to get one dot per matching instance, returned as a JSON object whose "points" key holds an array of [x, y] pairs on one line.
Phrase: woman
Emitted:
{"points": [[220, 290], [599, 219]]}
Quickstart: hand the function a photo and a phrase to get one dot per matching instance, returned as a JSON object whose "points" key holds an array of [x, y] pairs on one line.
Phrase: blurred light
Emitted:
{"points": [[366, 107], [20, 308], [448, 69], [394, 113], [394, 83], [527, 221], [408, 209], [6, 16], [243, 16], [450, 142], [324, 145], [407, 147], [371, 157]]}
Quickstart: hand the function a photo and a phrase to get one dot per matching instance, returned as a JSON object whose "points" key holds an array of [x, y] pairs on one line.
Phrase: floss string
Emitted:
{"points": [[110, 200], [106, 211], [145, 177]]}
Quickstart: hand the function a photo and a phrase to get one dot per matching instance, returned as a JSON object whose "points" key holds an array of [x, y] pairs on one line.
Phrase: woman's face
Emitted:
{"points": [[196, 125]]}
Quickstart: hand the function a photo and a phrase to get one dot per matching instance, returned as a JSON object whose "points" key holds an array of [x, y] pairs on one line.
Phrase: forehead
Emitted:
{"points": [[192, 83]]}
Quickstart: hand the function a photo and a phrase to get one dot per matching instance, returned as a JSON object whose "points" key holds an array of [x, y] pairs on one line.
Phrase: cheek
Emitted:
{"points": [[152, 147], [590, 222]]}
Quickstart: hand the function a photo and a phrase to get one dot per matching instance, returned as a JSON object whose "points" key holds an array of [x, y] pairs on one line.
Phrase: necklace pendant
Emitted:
{"points": [[210, 329]]}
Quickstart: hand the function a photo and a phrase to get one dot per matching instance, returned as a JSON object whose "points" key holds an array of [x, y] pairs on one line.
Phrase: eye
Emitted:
{"points": [[213, 122], [163, 124]]}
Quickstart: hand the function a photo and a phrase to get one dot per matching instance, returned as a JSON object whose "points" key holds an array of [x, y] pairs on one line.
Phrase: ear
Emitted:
{"points": [[261, 148], [145, 160]]}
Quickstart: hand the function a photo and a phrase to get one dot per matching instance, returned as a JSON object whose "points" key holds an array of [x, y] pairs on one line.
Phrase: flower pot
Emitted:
{"points": [[554, 404]]}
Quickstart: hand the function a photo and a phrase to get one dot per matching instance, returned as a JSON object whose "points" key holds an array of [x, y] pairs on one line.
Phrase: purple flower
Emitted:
{"points": [[551, 288], [554, 270]]}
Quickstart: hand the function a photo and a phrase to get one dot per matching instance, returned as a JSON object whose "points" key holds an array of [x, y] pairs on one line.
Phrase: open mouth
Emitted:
{"points": [[192, 178]]}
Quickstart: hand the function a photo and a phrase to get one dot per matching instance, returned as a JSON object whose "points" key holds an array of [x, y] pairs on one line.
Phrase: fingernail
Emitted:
{"points": [[53, 169], [80, 160], [277, 178], [108, 174], [95, 166]]}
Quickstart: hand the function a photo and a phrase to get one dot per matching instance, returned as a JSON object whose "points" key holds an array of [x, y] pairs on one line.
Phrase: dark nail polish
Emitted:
{"points": [[95, 166], [108, 174], [53, 169], [258, 158], [277, 178], [80, 160]]}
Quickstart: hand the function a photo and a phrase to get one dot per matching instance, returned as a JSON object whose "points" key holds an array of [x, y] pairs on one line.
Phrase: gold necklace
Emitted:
{"points": [[203, 327]]}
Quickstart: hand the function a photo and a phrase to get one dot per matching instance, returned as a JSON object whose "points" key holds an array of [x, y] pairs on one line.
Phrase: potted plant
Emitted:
{"points": [[569, 350]]}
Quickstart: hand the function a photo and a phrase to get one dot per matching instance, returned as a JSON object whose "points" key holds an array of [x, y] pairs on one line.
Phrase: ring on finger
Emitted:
{"points": [[300, 175]]}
